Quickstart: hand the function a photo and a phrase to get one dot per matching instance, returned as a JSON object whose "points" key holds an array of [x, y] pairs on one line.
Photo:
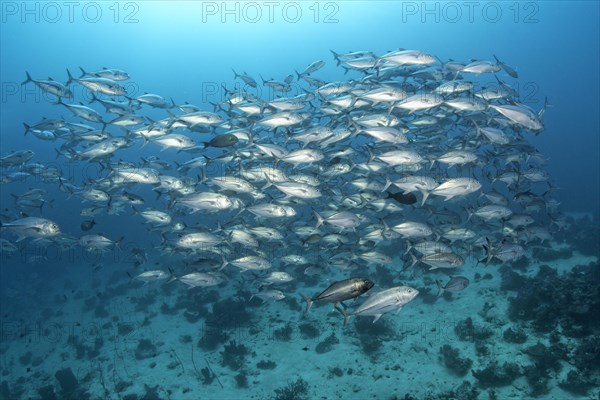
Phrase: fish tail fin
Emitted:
{"points": [[408, 247], [388, 183], [345, 314], [371, 155], [145, 139], [336, 57], [469, 213], [488, 252], [425, 194], [173, 277], [269, 182], [83, 73], [27, 128], [27, 78], [69, 77], [118, 242], [309, 303], [440, 288], [59, 101], [172, 201], [415, 260], [224, 263], [320, 220]]}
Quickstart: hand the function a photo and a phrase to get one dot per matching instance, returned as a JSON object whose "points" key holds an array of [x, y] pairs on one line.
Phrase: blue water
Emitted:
{"points": [[186, 50], [175, 53]]}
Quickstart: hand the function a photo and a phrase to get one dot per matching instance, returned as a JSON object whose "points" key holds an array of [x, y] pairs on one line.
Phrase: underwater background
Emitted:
{"points": [[75, 326]]}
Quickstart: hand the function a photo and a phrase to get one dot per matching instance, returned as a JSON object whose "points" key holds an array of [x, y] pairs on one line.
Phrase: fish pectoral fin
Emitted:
{"points": [[377, 316]]}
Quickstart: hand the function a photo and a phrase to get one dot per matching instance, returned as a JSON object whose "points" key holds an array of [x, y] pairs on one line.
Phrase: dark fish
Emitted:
{"points": [[455, 284], [225, 140], [403, 198], [340, 291], [87, 225]]}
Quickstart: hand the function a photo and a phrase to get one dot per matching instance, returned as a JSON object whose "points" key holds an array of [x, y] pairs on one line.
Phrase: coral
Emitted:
{"points": [[283, 334], [207, 376], [125, 328], [145, 349], [587, 355], [579, 383], [293, 304], [142, 303], [466, 391], [327, 344], [100, 312], [241, 380], [122, 385], [369, 345], [514, 336], [229, 314], [212, 338], [521, 264], [372, 335], [234, 355], [511, 280], [481, 349], [151, 393], [467, 331], [45, 392], [458, 365], [185, 339], [266, 364], [293, 391], [383, 274], [309, 331], [496, 376], [336, 371], [168, 310], [548, 357], [427, 296], [571, 300], [66, 379], [26, 358], [5, 391], [537, 378]]}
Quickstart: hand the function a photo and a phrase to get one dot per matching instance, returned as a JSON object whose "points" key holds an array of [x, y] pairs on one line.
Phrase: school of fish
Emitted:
{"points": [[405, 162]]}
